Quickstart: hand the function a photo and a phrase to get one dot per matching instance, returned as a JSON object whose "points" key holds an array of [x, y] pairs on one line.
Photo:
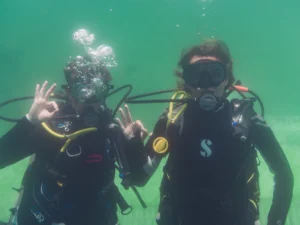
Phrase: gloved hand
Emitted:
{"points": [[42, 110]]}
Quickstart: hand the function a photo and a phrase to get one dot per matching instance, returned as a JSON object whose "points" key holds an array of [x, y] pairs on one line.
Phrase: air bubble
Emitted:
{"points": [[84, 37], [102, 55]]}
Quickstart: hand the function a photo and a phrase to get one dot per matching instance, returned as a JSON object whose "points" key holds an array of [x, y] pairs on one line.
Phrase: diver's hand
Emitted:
{"points": [[129, 127], [41, 109]]}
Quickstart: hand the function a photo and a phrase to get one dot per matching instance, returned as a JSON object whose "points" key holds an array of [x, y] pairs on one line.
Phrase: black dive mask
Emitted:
{"points": [[87, 80], [204, 74], [95, 90]]}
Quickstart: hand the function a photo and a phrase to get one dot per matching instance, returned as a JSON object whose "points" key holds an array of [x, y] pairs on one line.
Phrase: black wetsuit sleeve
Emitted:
{"points": [[274, 156], [143, 160], [20, 142], [13, 144]]}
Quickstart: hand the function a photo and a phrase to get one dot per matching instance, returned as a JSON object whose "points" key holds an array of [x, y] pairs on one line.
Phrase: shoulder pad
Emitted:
{"points": [[176, 108], [242, 112], [242, 109], [239, 104]]}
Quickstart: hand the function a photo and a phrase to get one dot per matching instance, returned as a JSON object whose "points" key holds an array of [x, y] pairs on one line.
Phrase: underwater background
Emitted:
{"points": [[148, 38]]}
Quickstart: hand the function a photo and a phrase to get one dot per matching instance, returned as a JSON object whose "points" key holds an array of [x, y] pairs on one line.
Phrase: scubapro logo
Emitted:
{"points": [[206, 148], [39, 216], [66, 125]]}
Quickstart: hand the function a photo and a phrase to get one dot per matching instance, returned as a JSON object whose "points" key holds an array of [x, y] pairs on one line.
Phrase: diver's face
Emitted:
{"points": [[216, 91]]}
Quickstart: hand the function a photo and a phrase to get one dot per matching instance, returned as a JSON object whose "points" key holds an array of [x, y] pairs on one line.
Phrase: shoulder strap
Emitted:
{"points": [[241, 118], [173, 132], [176, 119]]}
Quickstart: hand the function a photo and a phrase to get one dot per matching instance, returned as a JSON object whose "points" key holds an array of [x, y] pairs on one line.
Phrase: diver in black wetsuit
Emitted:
{"points": [[211, 175], [71, 179]]}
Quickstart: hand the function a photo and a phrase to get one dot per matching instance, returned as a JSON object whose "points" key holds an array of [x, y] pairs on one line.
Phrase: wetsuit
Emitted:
{"points": [[75, 187], [209, 176]]}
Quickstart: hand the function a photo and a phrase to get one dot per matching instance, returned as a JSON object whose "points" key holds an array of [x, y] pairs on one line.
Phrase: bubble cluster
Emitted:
{"points": [[84, 37], [103, 55], [84, 69]]}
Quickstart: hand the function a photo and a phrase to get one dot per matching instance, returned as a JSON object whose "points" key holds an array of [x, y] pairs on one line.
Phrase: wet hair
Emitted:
{"points": [[210, 47]]}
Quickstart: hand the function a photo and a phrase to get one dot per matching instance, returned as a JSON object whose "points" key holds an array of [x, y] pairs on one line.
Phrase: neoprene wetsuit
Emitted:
{"points": [[75, 187], [210, 175]]}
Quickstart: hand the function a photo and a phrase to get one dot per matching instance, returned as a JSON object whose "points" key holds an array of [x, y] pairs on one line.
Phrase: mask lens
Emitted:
{"points": [[101, 90], [82, 93], [204, 74], [90, 93], [216, 72]]}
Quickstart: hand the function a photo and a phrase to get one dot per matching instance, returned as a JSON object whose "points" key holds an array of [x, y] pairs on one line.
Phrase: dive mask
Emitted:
{"points": [[86, 80], [93, 91], [204, 74]]}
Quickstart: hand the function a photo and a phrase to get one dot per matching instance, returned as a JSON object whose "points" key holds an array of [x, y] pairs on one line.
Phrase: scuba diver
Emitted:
{"points": [[211, 174], [76, 147]]}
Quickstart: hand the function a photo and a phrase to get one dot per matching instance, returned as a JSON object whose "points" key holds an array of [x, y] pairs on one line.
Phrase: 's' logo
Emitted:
{"points": [[206, 148]]}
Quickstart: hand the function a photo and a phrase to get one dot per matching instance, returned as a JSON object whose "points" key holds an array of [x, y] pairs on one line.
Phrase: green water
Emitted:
{"points": [[147, 37]]}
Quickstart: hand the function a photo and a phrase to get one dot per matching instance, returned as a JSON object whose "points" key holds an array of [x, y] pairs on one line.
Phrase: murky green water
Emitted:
{"points": [[36, 41]]}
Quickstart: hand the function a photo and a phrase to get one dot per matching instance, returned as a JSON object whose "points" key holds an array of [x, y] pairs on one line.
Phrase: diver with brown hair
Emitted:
{"points": [[211, 174]]}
